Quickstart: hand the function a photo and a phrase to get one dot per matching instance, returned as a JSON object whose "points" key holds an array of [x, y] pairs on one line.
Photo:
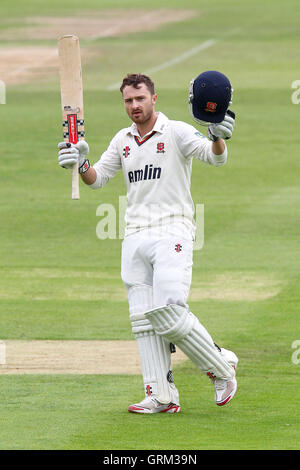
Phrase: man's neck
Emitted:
{"points": [[147, 126]]}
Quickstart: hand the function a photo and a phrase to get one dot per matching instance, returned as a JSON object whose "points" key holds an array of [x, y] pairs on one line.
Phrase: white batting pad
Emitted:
{"points": [[182, 327], [154, 350]]}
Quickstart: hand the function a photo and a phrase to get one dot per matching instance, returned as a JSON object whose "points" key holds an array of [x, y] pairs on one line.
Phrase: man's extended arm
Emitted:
{"points": [[212, 150]]}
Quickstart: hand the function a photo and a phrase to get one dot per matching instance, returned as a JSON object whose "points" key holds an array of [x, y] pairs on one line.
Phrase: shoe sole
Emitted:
{"points": [[140, 410]]}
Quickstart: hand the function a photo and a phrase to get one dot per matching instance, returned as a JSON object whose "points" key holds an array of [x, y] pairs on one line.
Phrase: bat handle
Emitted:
{"points": [[75, 182]]}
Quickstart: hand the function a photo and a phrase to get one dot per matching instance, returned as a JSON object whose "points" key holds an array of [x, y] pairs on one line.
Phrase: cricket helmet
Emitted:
{"points": [[210, 95]]}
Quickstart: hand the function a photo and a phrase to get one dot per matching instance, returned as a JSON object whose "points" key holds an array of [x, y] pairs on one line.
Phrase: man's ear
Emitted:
{"points": [[154, 98]]}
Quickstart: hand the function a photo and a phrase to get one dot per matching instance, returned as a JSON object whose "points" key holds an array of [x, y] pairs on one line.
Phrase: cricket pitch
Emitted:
{"points": [[73, 357]]}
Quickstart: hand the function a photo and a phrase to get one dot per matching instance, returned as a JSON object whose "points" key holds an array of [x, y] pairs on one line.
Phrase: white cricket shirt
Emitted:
{"points": [[157, 172]]}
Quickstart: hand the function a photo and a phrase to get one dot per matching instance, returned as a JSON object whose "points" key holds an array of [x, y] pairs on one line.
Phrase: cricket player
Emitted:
{"points": [[156, 155]]}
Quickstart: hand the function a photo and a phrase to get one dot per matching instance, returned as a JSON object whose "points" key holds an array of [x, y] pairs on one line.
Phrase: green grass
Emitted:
{"points": [[59, 281], [88, 412]]}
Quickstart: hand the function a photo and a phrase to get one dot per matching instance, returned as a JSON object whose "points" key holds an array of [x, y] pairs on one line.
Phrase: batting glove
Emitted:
{"points": [[69, 154], [224, 129]]}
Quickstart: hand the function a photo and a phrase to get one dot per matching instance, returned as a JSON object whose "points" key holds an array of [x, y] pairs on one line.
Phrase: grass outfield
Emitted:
{"points": [[59, 281]]}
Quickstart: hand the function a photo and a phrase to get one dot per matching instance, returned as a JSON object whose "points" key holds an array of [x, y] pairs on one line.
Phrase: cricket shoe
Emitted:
{"points": [[226, 389], [151, 405]]}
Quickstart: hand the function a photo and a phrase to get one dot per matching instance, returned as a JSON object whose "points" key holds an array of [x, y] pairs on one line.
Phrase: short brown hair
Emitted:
{"points": [[135, 79]]}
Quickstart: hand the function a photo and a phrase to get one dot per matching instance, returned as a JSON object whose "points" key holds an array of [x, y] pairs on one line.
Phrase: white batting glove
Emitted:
{"points": [[224, 129], [69, 154]]}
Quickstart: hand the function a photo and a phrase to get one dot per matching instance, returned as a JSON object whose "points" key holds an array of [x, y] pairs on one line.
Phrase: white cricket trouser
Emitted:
{"points": [[156, 271], [165, 264]]}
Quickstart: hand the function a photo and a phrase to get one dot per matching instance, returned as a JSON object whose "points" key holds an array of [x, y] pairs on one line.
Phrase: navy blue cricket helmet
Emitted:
{"points": [[210, 95]]}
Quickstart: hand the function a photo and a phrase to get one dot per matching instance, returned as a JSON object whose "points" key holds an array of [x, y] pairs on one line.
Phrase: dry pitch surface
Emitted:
{"points": [[74, 357], [24, 64]]}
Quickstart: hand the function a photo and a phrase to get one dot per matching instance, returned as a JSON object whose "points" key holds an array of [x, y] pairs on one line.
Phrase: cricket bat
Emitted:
{"points": [[71, 97]]}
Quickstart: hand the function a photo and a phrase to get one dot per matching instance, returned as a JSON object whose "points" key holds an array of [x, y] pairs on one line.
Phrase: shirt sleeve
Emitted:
{"points": [[108, 164], [192, 143]]}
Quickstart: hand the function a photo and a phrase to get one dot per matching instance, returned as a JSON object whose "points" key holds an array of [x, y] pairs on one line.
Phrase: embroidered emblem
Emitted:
{"points": [[211, 107], [126, 151], [160, 147]]}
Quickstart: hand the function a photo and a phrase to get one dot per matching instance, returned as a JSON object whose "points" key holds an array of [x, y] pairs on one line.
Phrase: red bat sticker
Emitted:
{"points": [[72, 126]]}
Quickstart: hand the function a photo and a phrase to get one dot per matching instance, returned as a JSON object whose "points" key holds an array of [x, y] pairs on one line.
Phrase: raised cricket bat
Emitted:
{"points": [[71, 97]]}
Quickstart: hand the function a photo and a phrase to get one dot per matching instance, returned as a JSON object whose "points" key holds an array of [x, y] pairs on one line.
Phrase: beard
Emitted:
{"points": [[142, 117]]}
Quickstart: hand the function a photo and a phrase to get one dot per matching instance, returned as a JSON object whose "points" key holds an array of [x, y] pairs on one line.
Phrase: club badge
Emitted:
{"points": [[160, 147], [211, 107]]}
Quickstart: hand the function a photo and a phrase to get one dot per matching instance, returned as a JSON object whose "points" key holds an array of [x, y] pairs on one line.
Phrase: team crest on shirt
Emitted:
{"points": [[126, 151], [160, 147]]}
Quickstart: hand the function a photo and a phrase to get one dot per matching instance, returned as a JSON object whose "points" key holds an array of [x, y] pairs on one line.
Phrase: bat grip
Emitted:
{"points": [[75, 182]]}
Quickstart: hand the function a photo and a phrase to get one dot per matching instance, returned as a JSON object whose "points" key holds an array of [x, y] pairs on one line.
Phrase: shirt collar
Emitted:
{"points": [[159, 126]]}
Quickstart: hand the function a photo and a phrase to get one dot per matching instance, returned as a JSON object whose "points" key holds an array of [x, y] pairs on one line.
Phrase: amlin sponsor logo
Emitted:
{"points": [[147, 173]]}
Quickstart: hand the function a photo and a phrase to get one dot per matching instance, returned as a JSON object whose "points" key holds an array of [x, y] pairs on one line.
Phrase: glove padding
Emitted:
{"points": [[224, 129], [69, 154]]}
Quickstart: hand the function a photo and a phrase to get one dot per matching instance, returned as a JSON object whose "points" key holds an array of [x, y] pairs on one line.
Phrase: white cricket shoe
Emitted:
{"points": [[151, 405], [226, 389]]}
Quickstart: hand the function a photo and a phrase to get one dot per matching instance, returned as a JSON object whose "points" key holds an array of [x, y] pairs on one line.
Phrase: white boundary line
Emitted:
{"points": [[182, 57], [175, 60]]}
